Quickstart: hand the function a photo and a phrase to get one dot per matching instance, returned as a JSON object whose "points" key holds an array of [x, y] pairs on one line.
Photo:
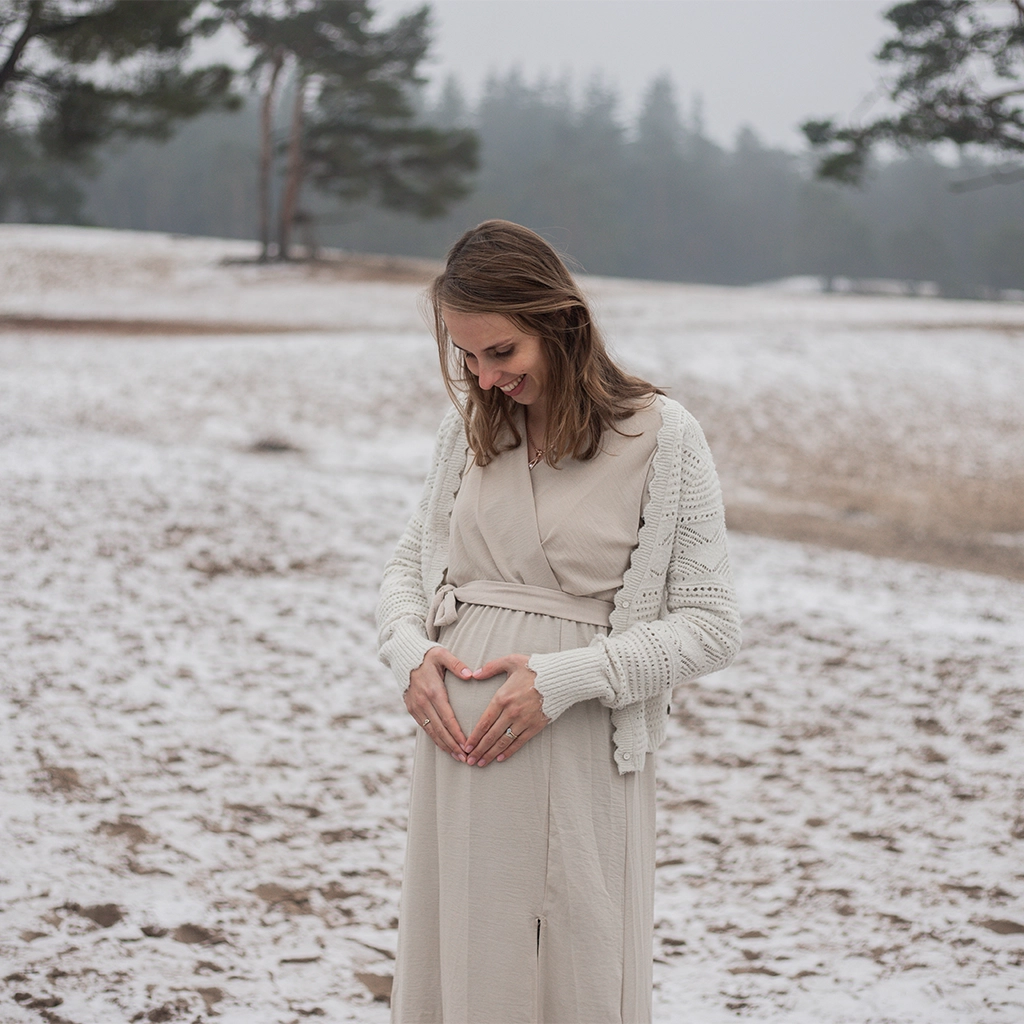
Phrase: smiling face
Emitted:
{"points": [[500, 355]]}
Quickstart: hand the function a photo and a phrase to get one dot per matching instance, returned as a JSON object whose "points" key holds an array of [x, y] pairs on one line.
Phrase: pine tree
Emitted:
{"points": [[353, 131], [658, 186], [76, 73], [959, 78]]}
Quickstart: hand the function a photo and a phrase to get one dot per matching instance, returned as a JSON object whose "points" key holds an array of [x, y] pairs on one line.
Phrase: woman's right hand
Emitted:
{"points": [[427, 700]]}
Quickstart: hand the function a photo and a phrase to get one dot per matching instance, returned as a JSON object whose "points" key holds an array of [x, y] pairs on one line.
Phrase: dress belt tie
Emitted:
{"points": [[517, 597]]}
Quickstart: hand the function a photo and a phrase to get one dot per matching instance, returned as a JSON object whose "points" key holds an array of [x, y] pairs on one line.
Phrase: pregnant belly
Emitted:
{"points": [[482, 633], [470, 699]]}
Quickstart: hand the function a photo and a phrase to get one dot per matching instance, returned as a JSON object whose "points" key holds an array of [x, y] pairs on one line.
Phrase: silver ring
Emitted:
{"points": [[510, 733], [426, 722]]}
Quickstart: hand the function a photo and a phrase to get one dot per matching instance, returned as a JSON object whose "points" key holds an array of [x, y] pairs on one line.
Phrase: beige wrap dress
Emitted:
{"points": [[528, 888]]}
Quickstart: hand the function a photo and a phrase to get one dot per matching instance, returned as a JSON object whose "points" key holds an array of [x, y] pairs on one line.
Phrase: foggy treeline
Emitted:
{"points": [[653, 198]]}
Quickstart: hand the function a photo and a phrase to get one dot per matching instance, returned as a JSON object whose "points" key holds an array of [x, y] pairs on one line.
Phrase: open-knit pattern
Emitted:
{"points": [[675, 615]]}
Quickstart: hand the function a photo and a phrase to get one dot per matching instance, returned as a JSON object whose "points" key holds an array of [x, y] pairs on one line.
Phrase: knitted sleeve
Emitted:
{"points": [[402, 609], [696, 629]]}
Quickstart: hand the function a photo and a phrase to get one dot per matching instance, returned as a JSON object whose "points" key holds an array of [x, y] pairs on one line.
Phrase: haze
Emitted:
{"points": [[765, 63]]}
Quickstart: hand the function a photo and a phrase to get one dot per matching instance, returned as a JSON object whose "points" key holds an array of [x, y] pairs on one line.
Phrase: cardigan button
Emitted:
{"points": [[625, 757]]}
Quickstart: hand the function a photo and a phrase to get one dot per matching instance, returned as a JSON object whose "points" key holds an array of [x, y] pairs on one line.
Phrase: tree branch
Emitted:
{"points": [[1004, 95], [985, 180], [31, 22], [35, 25]]}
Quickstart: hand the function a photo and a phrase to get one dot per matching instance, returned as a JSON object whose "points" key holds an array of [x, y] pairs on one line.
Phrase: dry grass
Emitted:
{"points": [[946, 487], [123, 328], [343, 266], [864, 494]]}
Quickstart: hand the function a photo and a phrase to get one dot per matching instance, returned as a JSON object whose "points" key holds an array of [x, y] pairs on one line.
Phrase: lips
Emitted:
{"points": [[514, 387]]}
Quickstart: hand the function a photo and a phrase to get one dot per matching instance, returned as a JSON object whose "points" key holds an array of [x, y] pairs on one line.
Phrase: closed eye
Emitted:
{"points": [[502, 354]]}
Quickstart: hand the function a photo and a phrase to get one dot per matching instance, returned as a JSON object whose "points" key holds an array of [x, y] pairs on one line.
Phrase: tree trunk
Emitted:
{"points": [[28, 30], [267, 151], [293, 182]]}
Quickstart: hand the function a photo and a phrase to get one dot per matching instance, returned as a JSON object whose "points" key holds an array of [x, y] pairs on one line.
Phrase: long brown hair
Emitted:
{"points": [[502, 268]]}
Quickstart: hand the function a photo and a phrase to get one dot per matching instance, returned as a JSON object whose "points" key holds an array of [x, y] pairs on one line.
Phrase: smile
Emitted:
{"points": [[513, 386]]}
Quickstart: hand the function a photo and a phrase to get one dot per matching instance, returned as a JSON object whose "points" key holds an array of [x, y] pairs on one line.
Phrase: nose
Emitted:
{"points": [[488, 378]]}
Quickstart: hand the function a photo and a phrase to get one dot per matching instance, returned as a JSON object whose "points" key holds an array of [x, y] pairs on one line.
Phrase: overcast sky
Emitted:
{"points": [[766, 63]]}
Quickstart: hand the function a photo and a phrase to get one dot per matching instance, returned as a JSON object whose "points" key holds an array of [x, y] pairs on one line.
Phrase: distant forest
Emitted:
{"points": [[655, 198]]}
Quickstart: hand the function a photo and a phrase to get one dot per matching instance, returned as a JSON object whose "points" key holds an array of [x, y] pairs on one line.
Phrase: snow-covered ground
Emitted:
{"points": [[889, 425], [204, 778]]}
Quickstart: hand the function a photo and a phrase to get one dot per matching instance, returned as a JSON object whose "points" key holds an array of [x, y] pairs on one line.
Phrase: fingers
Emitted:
{"points": [[492, 668], [442, 705], [516, 706], [493, 709], [514, 745], [516, 700], [436, 720], [498, 745], [452, 664], [447, 719], [426, 700], [490, 739], [444, 730], [483, 726]]}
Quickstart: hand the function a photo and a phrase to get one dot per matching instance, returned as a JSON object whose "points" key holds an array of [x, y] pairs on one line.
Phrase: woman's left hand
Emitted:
{"points": [[516, 706]]}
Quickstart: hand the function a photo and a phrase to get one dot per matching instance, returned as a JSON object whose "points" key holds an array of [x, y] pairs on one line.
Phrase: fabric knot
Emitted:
{"points": [[444, 611]]}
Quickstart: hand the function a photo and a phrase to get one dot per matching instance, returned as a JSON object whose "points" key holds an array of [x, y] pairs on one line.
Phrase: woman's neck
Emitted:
{"points": [[536, 423]]}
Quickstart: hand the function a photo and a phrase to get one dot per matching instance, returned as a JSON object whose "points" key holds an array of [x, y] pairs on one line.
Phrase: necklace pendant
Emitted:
{"points": [[538, 453]]}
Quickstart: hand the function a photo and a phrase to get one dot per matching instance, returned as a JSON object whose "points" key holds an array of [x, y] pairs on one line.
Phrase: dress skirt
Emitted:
{"points": [[529, 883]]}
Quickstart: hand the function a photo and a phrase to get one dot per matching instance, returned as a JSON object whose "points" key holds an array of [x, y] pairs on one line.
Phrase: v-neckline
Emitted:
{"points": [[525, 487]]}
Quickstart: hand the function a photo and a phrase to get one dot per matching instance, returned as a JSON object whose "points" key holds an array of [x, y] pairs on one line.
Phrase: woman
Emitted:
{"points": [[566, 567]]}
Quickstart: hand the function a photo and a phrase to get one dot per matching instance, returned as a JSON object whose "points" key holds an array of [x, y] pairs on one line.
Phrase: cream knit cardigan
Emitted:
{"points": [[675, 616]]}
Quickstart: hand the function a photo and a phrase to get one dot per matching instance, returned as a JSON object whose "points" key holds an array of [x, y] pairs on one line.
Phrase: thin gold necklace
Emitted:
{"points": [[538, 455]]}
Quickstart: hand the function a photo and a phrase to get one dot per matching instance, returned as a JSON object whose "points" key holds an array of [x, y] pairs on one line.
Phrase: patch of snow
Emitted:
{"points": [[204, 785]]}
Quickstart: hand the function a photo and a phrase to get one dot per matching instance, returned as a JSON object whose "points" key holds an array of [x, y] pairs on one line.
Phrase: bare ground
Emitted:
{"points": [[204, 790], [860, 493]]}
